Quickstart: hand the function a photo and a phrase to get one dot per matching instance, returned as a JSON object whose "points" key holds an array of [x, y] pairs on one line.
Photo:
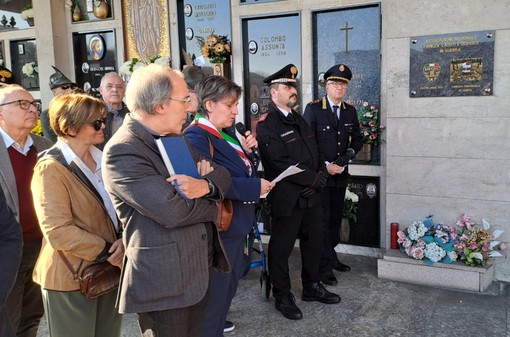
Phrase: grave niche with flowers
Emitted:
{"points": [[438, 254]]}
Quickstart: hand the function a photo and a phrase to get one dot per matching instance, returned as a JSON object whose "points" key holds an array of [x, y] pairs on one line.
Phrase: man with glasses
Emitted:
{"points": [[337, 131], [171, 246], [112, 91], [59, 84], [18, 155]]}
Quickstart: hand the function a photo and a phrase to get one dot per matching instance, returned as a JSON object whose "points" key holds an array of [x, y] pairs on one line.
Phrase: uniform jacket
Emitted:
{"points": [[10, 252], [284, 142], [72, 219], [7, 178], [334, 137], [166, 260], [245, 190]]}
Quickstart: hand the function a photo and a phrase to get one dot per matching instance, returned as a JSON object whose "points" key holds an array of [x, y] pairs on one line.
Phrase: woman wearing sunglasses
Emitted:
{"points": [[77, 220]]}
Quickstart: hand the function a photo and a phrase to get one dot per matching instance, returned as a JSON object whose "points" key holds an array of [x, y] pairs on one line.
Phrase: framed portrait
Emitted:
{"points": [[96, 48]]}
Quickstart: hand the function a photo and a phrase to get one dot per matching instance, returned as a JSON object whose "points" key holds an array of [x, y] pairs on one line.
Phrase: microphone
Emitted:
{"points": [[242, 130]]}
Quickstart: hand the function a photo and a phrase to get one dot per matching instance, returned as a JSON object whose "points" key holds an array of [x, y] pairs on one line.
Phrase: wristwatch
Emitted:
{"points": [[212, 188]]}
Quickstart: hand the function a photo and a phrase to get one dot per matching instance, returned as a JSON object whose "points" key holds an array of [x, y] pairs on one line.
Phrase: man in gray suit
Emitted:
{"points": [[171, 243], [18, 155]]}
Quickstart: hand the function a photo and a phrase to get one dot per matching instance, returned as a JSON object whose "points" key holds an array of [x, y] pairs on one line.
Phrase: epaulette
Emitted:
{"points": [[324, 103], [263, 117], [315, 101]]}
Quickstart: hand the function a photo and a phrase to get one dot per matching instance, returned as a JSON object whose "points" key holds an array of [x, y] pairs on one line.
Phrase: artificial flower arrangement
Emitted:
{"points": [[27, 12], [350, 210], [371, 129], [38, 128], [30, 69], [437, 242], [127, 68], [215, 47]]}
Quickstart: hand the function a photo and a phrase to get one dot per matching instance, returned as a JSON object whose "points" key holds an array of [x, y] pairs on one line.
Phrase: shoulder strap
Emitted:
{"points": [[68, 264]]}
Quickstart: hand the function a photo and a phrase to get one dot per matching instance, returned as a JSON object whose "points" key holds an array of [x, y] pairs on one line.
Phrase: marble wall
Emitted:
{"points": [[446, 155]]}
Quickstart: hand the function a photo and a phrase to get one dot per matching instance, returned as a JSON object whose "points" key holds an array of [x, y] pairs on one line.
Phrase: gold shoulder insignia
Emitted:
{"points": [[324, 103]]}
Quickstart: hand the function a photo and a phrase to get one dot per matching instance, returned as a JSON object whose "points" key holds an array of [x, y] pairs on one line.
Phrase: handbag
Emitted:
{"points": [[225, 206], [97, 279]]}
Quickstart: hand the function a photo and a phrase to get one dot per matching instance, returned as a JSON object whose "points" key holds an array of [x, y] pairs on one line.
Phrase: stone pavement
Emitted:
{"points": [[370, 307]]}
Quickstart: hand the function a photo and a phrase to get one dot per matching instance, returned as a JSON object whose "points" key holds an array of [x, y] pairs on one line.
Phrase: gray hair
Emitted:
{"points": [[6, 90], [149, 86], [215, 88], [108, 75]]}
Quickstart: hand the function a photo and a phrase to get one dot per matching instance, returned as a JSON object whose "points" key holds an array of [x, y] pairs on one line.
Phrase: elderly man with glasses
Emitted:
{"points": [[59, 84], [112, 91], [18, 155]]}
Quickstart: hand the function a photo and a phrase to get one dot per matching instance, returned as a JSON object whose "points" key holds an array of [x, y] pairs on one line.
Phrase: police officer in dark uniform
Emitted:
{"points": [[285, 139], [337, 131]]}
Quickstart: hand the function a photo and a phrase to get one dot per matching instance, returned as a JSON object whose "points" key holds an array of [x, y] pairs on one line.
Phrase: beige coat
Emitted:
{"points": [[72, 219]]}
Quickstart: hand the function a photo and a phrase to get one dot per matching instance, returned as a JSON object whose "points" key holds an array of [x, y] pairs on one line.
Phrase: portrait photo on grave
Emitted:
{"points": [[96, 48]]}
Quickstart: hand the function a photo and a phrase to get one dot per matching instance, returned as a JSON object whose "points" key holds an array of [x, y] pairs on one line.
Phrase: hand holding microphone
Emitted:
{"points": [[250, 141]]}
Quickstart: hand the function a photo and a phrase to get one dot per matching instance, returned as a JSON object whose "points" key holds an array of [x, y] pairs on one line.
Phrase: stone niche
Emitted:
{"points": [[396, 266]]}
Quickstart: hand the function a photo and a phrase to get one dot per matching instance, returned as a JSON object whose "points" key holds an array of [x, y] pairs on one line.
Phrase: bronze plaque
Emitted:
{"points": [[459, 64]]}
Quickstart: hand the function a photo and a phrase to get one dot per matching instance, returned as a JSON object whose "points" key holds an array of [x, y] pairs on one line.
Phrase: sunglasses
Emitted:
{"points": [[65, 87], [97, 124]]}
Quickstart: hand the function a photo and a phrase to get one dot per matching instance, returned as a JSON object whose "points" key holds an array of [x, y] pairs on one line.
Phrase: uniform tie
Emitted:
{"points": [[335, 111]]}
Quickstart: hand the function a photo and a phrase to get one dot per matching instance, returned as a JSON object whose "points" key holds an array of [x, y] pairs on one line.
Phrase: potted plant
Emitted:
{"points": [[349, 213], [27, 14], [217, 49], [371, 130]]}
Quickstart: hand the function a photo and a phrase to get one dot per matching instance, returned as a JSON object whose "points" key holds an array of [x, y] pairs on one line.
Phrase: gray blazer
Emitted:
{"points": [[166, 262], [7, 178]]}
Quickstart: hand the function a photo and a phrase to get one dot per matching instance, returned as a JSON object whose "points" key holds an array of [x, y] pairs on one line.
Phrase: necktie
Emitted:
{"points": [[335, 112]]}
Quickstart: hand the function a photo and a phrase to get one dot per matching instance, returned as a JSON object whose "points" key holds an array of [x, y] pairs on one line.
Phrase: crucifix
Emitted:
{"points": [[347, 29]]}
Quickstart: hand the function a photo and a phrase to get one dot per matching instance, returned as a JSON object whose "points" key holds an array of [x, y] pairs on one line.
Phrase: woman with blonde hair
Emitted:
{"points": [[77, 220]]}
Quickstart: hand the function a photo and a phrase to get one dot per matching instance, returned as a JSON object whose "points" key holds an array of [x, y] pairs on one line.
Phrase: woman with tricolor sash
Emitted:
{"points": [[213, 135]]}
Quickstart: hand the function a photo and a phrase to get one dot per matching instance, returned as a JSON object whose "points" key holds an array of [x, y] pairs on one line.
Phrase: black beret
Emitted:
{"points": [[192, 75], [57, 79], [339, 72], [286, 75], [6, 76]]}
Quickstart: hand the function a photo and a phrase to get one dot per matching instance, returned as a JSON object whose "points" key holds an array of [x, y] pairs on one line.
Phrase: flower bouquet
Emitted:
{"points": [[426, 240], [30, 69], [371, 129], [215, 47], [350, 205], [476, 244], [27, 12], [127, 68]]}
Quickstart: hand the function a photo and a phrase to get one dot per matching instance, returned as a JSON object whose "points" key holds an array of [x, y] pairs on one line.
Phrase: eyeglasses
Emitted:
{"points": [[24, 104], [98, 124], [338, 84], [65, 87], [186, 100], [113, 86]]}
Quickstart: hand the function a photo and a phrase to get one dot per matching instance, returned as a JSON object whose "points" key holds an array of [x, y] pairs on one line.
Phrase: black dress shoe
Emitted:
{"points": [[317, 292], [329, 279], [287, 306], [339, 266]]}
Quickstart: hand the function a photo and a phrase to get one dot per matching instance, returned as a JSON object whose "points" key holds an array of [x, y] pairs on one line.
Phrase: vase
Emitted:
{"points": [[221, 69], [345, 230], [365, 154], [76, 14], [101, 9], [30, 22]]}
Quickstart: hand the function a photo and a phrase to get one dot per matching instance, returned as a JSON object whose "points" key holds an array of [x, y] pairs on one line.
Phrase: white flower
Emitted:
{"points": [[416, 230], [27, 14], [163, 60], [29, 69], [124, 69], [351, 196], [433, 252], [452, 255]]}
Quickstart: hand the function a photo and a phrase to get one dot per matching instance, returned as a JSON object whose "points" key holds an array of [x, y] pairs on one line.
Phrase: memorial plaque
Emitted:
{"points": [[94, 56], [459, 64], [269, 44], [365, 231], [24, 52], [351, 36], [202, 18]]}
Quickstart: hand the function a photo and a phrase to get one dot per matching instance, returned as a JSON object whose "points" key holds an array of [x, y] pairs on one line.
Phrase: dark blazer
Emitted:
{"points": [[10, 252], [245, 190], [7, 178], [334, 137], [284, 142], [166, 263]]}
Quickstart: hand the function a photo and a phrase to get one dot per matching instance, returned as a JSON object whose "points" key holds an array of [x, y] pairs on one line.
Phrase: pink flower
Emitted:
{"points": [[407, 243], [365, 104], [417, 253], [401, 237]]}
